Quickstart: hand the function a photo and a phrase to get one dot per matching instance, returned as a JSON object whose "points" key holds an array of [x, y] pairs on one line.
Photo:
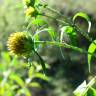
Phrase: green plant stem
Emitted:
{"points": [[70, 23], [62, 21], [55, 11], [42, 61], [65, 45]]}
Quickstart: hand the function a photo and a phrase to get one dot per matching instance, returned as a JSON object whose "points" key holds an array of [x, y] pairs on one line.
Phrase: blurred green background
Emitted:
{"points": [[64, 74]]}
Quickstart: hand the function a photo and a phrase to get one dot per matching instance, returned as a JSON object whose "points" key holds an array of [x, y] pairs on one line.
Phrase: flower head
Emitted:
{"points": [[29, 11], [20, 43]]}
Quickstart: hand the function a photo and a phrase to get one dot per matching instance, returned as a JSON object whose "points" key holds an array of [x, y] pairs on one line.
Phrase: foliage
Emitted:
{"points": [[34, 18], [12, 77]]}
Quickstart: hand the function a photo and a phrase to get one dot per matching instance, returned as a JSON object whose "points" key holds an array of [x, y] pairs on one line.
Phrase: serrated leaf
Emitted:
{"points": [[91, 50], [70, 32], [85, 16]]}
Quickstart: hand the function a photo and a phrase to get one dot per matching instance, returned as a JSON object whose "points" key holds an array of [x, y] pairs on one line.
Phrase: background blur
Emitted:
{"points": [[65, 74]]}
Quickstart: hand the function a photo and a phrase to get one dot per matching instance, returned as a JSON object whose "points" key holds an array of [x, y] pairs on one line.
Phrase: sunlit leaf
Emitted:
{"points": [[30, 72], [37, 2], [17, 79], [6, 57], [14, 61], [70, 32], [34, 84], [81, 89], [38, 21], [51, 32], [91, 50], [84, 88], [85, 16], [24, 91], [41, 76]]}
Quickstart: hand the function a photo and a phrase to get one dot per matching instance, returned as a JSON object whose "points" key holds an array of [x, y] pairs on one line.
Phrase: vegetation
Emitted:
{"points": [[39, 33]]}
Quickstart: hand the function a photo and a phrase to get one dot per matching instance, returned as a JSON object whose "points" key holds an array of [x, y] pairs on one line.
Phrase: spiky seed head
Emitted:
{"points": [[20, 43]]}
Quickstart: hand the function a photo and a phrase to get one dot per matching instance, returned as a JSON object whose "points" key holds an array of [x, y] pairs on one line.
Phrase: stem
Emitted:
{"points": [[65, 45], [70, 23], [42, 62], [55, 19], [55, 11]]}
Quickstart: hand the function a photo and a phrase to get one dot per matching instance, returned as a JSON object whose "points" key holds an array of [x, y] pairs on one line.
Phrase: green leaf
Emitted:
{"points": [[85, 16], [30, 72], [32, 3], [91, 50], [91, 92], [38, 21], [70, 32], [41, 76], [51, 32], [14, 61], [36, 2], [17, 79], [24, 91], [34, 84], [6, 57]]}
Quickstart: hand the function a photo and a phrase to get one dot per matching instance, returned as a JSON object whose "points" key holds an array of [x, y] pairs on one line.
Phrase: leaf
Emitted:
{"points": [[81, 89], [37, 2], [17, 79], [34, 84], [91, 92], [30, 72], [70, 32], [24, 91], [38, 21], [51, 32], [41, 76], [6, 57], [91, 50], [14, 61], [32, 3], [85, 16]]}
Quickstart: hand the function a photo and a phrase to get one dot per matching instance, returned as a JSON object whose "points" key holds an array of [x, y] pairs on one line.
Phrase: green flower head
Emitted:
{"points": [[20, 43]]}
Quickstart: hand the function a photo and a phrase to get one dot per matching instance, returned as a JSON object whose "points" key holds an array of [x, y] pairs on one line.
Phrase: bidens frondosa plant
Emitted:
{"points": [[20, 43]]}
